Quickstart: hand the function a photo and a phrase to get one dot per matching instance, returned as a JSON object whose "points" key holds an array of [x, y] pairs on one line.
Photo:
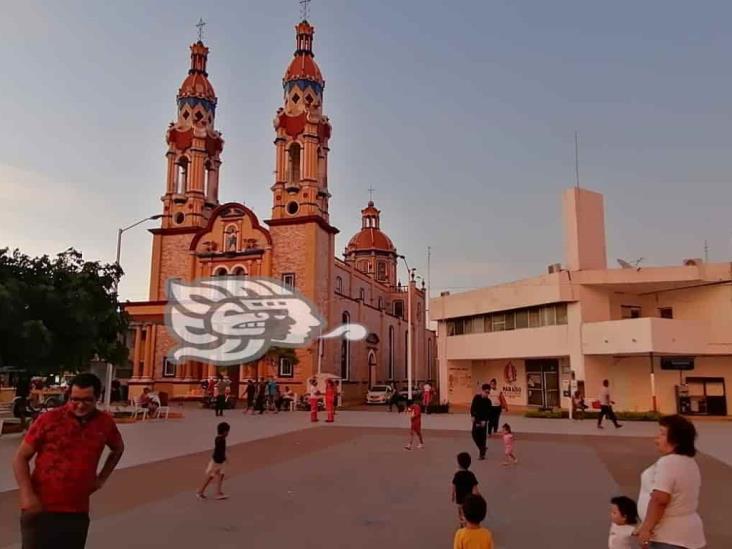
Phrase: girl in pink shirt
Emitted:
{"points": [[508, 446]]}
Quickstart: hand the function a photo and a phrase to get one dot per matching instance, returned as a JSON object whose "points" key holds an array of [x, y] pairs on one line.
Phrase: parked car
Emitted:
{"points": [[379, 394], [416, 393]]}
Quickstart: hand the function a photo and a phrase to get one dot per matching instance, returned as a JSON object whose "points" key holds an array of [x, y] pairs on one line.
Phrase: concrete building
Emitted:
{"points": [[200, 237], [636, 326]]}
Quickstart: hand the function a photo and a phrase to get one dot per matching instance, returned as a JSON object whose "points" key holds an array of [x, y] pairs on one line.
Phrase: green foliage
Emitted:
{"points": [[624, 416], [57, 314]]}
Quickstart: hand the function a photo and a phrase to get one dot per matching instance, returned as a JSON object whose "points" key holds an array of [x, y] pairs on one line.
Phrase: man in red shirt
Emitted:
{"points": [[67, 443]]}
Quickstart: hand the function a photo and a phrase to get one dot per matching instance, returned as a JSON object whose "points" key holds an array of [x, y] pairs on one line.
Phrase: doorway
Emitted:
{"points": [[542, 383], [704, 396]]}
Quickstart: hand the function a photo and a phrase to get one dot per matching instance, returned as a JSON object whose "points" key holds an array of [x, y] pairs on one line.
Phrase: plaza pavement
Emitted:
{"points": [[353, 485]]}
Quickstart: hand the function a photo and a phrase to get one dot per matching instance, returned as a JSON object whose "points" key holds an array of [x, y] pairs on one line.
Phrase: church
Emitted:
{"points": [[200, 237]]}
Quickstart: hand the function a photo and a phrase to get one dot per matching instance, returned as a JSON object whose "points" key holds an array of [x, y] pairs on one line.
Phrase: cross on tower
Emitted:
{"points": [[304, 8], [371, 194], [201, 23]]}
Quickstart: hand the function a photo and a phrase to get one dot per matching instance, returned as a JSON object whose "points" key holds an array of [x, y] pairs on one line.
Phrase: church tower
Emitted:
{"points": [[304, 240], [192, 183]]}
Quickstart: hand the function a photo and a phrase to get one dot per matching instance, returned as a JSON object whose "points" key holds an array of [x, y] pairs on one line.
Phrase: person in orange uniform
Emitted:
{"points": [[314, 394], [330, 396]]}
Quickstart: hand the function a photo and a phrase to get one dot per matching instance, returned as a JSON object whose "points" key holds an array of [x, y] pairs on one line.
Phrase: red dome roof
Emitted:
{"points": [[303, 67], [370, 239], [196, 83]]}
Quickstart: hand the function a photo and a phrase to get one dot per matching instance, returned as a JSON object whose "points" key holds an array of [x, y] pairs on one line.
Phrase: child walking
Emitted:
{"points": [[473, 535], [215, 469], [508, 446], [464, 483], [415, 424], [624, 519]]}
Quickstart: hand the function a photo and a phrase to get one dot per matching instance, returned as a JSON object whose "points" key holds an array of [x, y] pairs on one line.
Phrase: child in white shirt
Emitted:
{"points": [[624, 518]]}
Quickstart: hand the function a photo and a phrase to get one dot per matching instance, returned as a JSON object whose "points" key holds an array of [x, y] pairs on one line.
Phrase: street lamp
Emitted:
{"points": [[120, 231], [410, 274], [110, 367]]}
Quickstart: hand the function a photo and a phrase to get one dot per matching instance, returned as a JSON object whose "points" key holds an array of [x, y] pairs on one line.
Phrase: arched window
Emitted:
{"points": [[346, 351], [294, 163], [362, 294], [399, 308], [181, 179], [391, 352], [339, 285], [239, 271], [381, 271], [221, 271]]}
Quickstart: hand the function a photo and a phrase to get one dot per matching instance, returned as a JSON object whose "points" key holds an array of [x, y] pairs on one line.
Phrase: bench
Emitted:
{"points": [[6, 412]]}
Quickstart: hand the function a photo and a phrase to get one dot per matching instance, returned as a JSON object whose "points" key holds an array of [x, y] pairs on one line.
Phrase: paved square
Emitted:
{"points": [[357, 487]]}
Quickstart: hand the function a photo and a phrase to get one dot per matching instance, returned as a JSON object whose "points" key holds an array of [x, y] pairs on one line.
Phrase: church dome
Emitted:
{"points": [[303, 65], [197, 85], [370, 237]]}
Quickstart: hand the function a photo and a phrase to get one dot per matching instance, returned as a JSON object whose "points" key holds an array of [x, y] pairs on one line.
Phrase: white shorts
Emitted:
{"points": [[214, 468]]}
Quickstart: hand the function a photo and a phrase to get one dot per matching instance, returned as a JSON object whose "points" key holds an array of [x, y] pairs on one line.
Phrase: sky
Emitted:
{"points": [[461, 116]]}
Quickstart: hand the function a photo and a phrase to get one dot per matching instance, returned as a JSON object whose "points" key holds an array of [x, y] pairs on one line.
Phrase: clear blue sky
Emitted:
{"points": [[460, 114]]}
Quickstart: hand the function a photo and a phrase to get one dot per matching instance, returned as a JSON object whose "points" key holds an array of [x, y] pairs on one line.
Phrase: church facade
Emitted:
{"points": [[200, 237]]}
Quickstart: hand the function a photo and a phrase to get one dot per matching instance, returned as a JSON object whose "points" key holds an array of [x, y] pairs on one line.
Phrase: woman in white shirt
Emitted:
{"points": [[669, 495]]}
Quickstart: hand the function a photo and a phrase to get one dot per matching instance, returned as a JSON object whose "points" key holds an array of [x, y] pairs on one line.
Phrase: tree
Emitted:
{"points": [[58, 314]]}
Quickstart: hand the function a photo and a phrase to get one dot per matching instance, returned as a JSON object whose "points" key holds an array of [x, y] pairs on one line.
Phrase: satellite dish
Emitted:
{"points": [[624, 264]]}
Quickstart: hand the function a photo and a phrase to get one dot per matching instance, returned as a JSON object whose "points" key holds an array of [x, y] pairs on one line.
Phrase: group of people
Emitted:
{"points": [[396, 399], [67, 443], [266, 395]]}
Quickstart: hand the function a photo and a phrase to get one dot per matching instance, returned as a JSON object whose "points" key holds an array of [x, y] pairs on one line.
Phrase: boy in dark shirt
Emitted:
{"points": [[464, 483], [217, 464]]}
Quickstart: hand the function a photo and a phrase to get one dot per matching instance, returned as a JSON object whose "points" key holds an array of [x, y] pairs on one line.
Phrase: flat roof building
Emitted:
{"points": [[656, 333]]}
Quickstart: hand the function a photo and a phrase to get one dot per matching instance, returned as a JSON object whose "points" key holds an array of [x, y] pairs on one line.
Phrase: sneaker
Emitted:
{"points": [[199, 495], [407, 447], [222, 496], [618, 426], [420, 446]]}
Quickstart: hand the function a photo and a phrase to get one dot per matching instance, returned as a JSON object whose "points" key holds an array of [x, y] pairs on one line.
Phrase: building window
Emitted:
{"points": [[510, 319], [346, 351], [294, 164], [534, 317], [181, 180], [561, 309], [240, 271], [285, 368], [498, 322], [288, 280], [549, 317], [630, 311], [521, 319], [362, 294], [339, 285], [666, 312], [381, 271], [169, 368], [391, 352], [221, 271], [381, 303], [399, 308]]}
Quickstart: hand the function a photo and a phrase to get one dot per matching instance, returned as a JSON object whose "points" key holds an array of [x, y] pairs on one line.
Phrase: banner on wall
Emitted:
{"points": [[511, 388]]}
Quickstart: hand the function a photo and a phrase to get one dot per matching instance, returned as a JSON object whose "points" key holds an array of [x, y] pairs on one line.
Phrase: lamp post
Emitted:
{"points": [[110, 367], [120, 231], [409, 327]]}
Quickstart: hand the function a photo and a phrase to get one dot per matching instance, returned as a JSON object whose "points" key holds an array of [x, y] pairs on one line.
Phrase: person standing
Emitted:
{"points": [[669, 495], [260, 396], [426, 397], [606, 406], [220, 395], [480, 411], [314, 397], [498, 404], [330, 397], [250, 392], [67, 443]]}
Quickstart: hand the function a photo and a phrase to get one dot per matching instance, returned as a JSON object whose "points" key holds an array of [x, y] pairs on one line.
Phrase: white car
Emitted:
{"points": [[379, 394]]}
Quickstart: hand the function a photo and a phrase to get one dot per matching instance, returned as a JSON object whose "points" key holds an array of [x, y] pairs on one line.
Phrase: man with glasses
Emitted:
{"points": [[67, 443]]}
